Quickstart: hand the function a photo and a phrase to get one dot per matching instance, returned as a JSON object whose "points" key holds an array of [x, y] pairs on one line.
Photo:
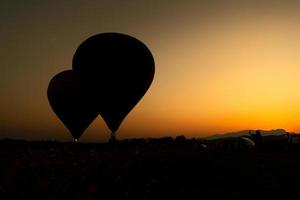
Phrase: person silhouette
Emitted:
{"points": [[257, 137]]}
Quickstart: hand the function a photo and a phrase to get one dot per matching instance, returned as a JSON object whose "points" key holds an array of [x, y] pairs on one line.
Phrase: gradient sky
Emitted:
{"points": [[221, 66]]}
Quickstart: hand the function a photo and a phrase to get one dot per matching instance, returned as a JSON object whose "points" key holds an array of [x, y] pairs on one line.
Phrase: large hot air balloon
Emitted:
{"points": [[118, 70], [71, 102]]}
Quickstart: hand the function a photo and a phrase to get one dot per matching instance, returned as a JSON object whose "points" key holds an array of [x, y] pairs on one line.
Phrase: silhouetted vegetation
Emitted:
{"points": [[164, 168]]}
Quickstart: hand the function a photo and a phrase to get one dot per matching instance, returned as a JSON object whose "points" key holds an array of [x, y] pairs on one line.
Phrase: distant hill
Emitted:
{"points": [[246, 133]]}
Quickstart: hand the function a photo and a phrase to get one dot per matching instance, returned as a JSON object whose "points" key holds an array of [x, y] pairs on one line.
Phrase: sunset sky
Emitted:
{"points": [[221, 66]]}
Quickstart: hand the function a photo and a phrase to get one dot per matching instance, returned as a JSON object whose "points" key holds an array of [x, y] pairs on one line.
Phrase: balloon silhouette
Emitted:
{"points": [[118, 69], [71, 102]]}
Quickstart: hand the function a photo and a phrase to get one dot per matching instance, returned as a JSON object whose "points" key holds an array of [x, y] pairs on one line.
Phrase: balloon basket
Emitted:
{"points": [[113, 138]]}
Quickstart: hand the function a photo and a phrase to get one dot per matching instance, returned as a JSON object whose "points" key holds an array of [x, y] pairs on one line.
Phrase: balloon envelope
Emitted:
{"points": [[119, 69], [71, 102]]}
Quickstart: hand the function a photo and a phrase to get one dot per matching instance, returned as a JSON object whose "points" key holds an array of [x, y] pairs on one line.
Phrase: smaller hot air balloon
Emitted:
{"points": [[71, 102]]}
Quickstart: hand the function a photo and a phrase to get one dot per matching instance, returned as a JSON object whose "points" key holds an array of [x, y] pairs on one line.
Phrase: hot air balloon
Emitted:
{"points": [[119, 69], [71, 102]]}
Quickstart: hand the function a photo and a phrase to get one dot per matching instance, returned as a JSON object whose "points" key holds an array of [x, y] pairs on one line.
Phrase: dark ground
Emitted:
{"points": [[141, 171]]}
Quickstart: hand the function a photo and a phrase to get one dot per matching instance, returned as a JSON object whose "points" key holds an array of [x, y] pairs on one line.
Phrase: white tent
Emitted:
{"points": [[248, 142]]}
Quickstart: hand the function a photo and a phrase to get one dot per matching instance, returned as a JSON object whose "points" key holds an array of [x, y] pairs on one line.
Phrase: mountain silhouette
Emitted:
{"points": [[274, 132]]}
